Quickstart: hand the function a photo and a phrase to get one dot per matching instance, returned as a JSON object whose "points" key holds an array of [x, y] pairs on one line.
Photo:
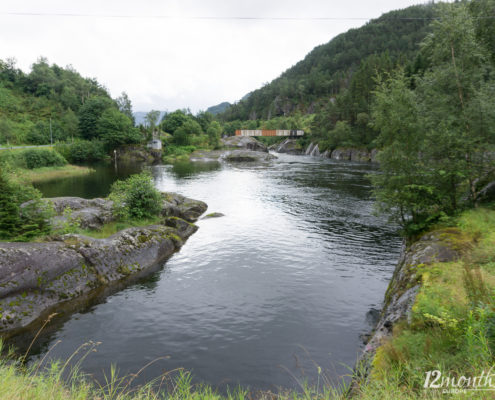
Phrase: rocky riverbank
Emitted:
{"points": [[36, 278], [291, 146], [236, 149], [439, 246]]}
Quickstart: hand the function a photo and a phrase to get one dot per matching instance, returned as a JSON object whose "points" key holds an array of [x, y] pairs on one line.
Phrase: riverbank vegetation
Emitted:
{"points": [[26, 216], [182, 133], [452, 324], [437, 127]]}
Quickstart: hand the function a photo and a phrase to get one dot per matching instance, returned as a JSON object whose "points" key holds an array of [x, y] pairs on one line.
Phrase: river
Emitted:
{"points": [[260, 297]]}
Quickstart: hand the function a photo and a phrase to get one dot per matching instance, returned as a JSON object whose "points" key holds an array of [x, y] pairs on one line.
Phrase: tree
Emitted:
{"points": [[456, 107], [125, 106], [204, 119], [70, 124], [182, 135], [438, 140], [152, 119], [214, 132], [90, 113], [174, 120], [402, 189], [115, 129]]}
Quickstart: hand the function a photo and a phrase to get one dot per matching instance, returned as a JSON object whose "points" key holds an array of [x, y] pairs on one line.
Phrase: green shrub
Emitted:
{"points": [[22, 223], [37, 158], [136, 197], [82, 151]]}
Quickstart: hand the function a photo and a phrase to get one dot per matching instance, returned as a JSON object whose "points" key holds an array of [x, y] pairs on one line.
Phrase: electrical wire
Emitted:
{"points": [[123, 16]]}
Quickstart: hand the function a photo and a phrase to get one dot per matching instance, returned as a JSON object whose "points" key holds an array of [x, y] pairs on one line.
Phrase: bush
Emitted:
{"points": [[36, 158], [22, 223], [82, 151], [136, 197]]}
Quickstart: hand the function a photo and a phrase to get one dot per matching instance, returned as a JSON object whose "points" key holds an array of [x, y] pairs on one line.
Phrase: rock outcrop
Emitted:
{"points": [[140, 154], [35, 278], [247, 156], [244, 142], [437, 246], [91, 214]]}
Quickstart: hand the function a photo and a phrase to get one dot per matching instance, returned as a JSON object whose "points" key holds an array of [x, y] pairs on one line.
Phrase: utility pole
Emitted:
{"points": [[51, 135]]}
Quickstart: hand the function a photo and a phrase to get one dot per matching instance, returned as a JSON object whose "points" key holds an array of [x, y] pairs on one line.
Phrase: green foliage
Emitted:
{"points": [[204, 119], [36, 158], [452, 323], [21, 224], [90, 113], [29, 101], [327, 70], [214, 133], [183, 135], [31, 158], [115, 129], [125, 106], [437, 134], [82, 151], [174, 120], [136, 197], [69, 224]]}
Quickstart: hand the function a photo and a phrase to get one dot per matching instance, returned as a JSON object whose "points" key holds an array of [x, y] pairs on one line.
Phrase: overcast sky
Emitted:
{"points": [[182, 61]]}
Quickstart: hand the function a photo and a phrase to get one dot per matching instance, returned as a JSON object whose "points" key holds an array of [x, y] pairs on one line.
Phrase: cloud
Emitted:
{"points": [[176, 63]]}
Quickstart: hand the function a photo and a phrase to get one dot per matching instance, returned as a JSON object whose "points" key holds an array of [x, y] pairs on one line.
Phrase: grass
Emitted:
{"points": [[15, 160], [452, 326], [116, 226], [45, 174], [452, 329]]}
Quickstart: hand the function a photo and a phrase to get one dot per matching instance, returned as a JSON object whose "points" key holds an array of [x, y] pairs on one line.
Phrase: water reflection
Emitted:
{"points": [[283, 281]]}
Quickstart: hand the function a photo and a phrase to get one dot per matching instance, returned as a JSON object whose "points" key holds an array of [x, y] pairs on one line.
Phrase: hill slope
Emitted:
{"points": [[327, 70]]}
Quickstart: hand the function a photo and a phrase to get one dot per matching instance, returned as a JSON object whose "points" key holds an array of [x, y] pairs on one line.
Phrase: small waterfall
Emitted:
{"points": [[309, 149], [315, 152]]}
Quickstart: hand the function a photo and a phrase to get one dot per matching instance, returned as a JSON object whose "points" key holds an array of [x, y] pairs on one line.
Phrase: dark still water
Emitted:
{"points": [[282, 283]]}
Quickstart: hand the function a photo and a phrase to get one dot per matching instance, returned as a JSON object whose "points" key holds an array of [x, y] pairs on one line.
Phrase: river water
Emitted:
{"points": [[261, 297]]}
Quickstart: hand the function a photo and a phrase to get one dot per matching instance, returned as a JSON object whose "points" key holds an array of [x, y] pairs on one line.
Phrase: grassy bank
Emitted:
{"points": [[38, 164], [452, 326], [44, 174]]}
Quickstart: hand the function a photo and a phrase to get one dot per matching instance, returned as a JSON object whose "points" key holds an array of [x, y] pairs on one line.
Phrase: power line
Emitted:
{"points": [[123, 16], [78, 15]]}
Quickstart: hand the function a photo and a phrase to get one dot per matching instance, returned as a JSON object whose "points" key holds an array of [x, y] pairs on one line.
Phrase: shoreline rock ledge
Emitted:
{"points": [[37, 278]]}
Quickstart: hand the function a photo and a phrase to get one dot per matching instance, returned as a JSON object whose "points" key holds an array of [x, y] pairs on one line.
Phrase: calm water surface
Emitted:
{"points": [[259, 297]]}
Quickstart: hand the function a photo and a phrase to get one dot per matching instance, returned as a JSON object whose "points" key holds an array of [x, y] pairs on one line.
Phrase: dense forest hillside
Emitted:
{"points": [[55, 103], [219, 108], [327, 70]]}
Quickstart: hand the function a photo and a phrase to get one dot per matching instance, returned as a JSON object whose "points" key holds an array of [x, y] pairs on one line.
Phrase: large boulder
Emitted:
{"points": [[176, 205], [341, 154], [244, 142], [360, 155], [247, 156], [90, 214]]}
